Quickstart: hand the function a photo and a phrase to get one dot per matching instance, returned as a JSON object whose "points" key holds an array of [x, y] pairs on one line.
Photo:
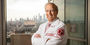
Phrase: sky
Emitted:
{"points": [[17, 9]]}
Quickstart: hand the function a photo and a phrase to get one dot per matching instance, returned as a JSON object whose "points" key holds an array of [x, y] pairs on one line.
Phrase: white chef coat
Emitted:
{"points": [[55, 33]]}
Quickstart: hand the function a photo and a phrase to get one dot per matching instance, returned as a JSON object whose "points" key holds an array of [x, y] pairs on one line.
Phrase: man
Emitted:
{"points": [[52, 31]]}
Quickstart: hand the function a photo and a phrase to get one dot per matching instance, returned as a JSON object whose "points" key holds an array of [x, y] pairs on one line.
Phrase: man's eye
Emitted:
{"points": [[52, 10]]}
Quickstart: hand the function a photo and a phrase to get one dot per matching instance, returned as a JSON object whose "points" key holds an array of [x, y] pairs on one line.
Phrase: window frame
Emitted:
{"points": [[3, 22]]}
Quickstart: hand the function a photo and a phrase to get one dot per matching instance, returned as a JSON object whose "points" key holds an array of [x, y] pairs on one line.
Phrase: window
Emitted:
{"points": [[24, 17]]}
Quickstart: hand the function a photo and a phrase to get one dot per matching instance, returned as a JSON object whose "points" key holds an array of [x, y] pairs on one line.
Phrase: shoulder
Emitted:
{"points": [[61, 23], [58, 23]]}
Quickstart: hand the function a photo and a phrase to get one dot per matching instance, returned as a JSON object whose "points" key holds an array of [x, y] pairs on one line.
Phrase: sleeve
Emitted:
{"points": [[60, 32], [59, 39]]}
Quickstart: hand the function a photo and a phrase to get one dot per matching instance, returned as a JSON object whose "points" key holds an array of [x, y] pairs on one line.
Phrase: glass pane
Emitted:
{"points": [[75, 21], [74, 42], [75, 18], [23, 18]]}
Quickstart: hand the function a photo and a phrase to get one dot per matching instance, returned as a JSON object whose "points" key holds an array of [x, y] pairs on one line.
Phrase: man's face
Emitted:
{"points": [[51, 13]]}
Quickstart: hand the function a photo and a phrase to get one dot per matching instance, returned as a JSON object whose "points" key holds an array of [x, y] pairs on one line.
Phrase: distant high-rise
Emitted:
{"points": [[27, 18], [39, 17]]}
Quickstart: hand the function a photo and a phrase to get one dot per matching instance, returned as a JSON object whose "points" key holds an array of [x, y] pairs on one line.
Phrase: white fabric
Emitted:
{"points": [[53, 39]]}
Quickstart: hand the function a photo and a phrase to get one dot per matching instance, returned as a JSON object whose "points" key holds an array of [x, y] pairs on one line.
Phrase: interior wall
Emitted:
{"points": [[60, 5]]}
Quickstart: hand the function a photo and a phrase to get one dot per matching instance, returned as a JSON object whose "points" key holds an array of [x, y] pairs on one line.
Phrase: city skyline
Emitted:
{"points": [[37, 17]]}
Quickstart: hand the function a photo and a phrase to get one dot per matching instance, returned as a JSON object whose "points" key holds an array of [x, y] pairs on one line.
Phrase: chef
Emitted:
{"points": [[51, 32]]}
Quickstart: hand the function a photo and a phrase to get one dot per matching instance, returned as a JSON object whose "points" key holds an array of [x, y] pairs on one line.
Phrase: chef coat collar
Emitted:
{"points": [[53, 20]]}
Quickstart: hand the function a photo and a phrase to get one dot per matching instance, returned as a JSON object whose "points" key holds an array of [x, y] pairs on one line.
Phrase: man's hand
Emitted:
{"points": [[37, 36]]}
